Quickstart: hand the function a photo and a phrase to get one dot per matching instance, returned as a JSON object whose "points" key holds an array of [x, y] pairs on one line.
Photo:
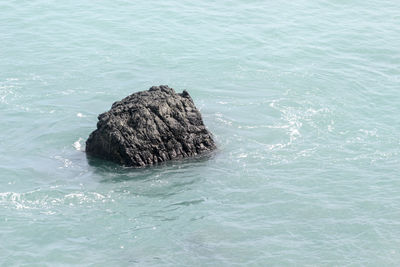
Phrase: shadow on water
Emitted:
{"points": [[114, 173]]}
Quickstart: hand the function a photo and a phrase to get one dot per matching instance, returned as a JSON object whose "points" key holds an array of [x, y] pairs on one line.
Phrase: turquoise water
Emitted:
{"points": [[302, 97]]}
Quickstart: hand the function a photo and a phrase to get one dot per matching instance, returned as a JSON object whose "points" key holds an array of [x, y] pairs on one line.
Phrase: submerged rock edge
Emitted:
{"points": [[150, 127]]}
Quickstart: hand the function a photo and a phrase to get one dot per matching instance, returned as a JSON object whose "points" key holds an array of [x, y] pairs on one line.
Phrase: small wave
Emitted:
{"points": [[45, 201], [77, 144], [66, 162], [188, 203]]}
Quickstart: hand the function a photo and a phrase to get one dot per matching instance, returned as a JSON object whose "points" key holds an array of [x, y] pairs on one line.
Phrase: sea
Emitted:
{"points": [[303, 100]]}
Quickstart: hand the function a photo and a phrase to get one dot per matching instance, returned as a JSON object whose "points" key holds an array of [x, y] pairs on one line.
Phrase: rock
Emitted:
{"points": [[149, 127]]}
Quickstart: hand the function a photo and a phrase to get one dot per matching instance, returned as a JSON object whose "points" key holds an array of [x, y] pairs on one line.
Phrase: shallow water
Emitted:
{"points": [[303, 100]]}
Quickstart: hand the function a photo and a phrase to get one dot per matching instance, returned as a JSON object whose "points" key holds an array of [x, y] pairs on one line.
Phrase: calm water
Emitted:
{"points": [[302, 97]]}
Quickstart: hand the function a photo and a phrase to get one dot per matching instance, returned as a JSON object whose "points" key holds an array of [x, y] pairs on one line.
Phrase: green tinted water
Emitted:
{"points": [[303, 100]]}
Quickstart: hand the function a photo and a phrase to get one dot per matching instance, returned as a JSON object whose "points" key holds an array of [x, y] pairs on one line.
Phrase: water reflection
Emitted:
{"points": [[111, 172]]}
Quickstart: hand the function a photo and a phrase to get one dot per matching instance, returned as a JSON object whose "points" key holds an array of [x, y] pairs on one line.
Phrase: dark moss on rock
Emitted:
{"points": [[150, 127]]}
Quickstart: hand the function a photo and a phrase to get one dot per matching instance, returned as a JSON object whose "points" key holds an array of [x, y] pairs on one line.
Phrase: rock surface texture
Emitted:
{"points": [[150, 127]]}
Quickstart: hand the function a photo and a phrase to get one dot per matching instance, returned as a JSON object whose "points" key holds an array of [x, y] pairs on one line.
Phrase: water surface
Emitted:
{"points": [[303, 100]]}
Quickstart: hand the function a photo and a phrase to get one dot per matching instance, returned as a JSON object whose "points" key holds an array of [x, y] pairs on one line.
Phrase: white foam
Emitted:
{"points": [[66, 162], [77, 144]]}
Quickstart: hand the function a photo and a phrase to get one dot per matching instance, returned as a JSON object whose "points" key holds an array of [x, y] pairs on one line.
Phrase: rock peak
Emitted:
{"points": [[164, 88]]}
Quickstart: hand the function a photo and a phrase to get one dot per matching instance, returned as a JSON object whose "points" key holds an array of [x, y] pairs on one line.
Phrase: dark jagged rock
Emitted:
{"points": [[150, 127]]}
